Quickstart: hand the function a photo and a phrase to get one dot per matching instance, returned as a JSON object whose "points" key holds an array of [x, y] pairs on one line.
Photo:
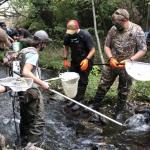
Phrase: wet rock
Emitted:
{"points": [[2, 142], [137, 123], [6, 121], [91, 127], [30, 146], [57, 97]]}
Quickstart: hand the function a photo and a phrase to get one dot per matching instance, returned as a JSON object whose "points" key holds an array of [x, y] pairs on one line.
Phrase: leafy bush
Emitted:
{"points": [[94, 78], [52, 58], [1, 56], [140, 91]]}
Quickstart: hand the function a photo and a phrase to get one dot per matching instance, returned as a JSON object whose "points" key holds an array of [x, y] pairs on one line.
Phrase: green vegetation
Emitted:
{"points": [[52, 15], [52, 58]]}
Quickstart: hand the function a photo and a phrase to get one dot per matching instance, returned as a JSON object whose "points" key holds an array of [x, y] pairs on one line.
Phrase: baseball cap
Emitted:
{"points": [[120, 14], [4, 38], [42, 36], [72, 26]]}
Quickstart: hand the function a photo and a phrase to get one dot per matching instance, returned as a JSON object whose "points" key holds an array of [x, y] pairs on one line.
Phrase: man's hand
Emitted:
{"points": [[113, 62], [122, 63], [66, 63], [84, 64], [45, 85]]}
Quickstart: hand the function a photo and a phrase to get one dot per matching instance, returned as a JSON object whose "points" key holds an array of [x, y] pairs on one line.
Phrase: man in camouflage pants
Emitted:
{"points": [[125, 42]]}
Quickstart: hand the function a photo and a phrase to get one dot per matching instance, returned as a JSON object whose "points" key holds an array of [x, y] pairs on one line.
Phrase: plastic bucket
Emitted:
{"points": [[69, 82]]}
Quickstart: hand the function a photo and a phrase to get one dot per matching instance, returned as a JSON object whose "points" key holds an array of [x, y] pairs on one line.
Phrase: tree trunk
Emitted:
{"points": [[96, 34]]}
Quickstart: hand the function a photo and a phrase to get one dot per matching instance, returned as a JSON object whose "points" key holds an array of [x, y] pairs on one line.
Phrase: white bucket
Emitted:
{"points": [[69, 82], [16, 46]]}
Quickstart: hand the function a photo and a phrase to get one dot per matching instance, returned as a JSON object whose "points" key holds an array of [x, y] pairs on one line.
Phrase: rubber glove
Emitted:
{"points": [[84, 64], [122, 66], [66, 63], [113, 62]]}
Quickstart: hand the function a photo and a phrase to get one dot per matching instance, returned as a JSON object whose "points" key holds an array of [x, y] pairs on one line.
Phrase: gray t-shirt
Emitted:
{"points": [[32, 57]]}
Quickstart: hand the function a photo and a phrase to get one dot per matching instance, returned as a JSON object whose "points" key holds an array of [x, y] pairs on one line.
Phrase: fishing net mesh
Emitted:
{"points": [[17, 84], [69, 82]]}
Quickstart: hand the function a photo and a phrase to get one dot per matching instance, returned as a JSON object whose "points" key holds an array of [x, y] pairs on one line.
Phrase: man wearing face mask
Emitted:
{"points": [[82, 51], [125, 41]]}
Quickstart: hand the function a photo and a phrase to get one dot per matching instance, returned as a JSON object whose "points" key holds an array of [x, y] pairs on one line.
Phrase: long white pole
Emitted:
{"points": [[52, 79], [90, 109]]}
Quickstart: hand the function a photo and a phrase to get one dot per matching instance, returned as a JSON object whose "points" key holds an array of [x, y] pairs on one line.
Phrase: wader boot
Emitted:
{"points": [[79, 97], [120, 110], [95, 106]]}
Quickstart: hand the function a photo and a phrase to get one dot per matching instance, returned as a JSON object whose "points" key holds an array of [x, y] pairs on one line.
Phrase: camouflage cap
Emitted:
{"points": [[120, 14], [72, 27]]}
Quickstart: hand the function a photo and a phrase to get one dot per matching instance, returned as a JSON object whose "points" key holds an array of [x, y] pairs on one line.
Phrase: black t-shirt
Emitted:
{"points": [[80, 45]]}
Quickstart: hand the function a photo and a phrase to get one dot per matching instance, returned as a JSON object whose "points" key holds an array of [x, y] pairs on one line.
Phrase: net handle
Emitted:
{"points": [[88, 108]]}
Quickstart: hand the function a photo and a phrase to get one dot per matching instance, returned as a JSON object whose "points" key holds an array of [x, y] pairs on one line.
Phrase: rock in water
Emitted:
{"points": [[30, 146], [2, 142]]}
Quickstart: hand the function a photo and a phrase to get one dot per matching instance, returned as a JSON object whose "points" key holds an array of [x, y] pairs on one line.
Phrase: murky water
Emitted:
{"points": [[68, 132]]}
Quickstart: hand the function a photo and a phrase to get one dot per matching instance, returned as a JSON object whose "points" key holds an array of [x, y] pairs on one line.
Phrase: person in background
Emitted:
{"points": [[9, 31], [125, 41], [4, 40], [5, 43], [21, 34], [81, 46]]}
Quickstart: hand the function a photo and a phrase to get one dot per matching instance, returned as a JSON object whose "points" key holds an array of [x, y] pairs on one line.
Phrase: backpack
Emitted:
{"points": [[15, 61]]}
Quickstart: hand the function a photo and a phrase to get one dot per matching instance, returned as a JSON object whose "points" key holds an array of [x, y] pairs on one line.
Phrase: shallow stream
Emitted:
{"points": [[65, 131]]}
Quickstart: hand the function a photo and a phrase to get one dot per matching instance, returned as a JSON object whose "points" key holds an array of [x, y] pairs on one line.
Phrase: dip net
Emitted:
{"points": [[17, 84]]}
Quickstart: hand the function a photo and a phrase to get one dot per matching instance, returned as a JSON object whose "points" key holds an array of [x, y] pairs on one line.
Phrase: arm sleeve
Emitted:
{"points": [[89, 41], [109, 38], [32, 59], [141, 39], [66, 41]]}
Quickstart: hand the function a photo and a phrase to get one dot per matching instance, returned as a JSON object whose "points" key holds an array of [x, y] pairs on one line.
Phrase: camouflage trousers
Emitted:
{"points": [[108, 77], [32, 116]]}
